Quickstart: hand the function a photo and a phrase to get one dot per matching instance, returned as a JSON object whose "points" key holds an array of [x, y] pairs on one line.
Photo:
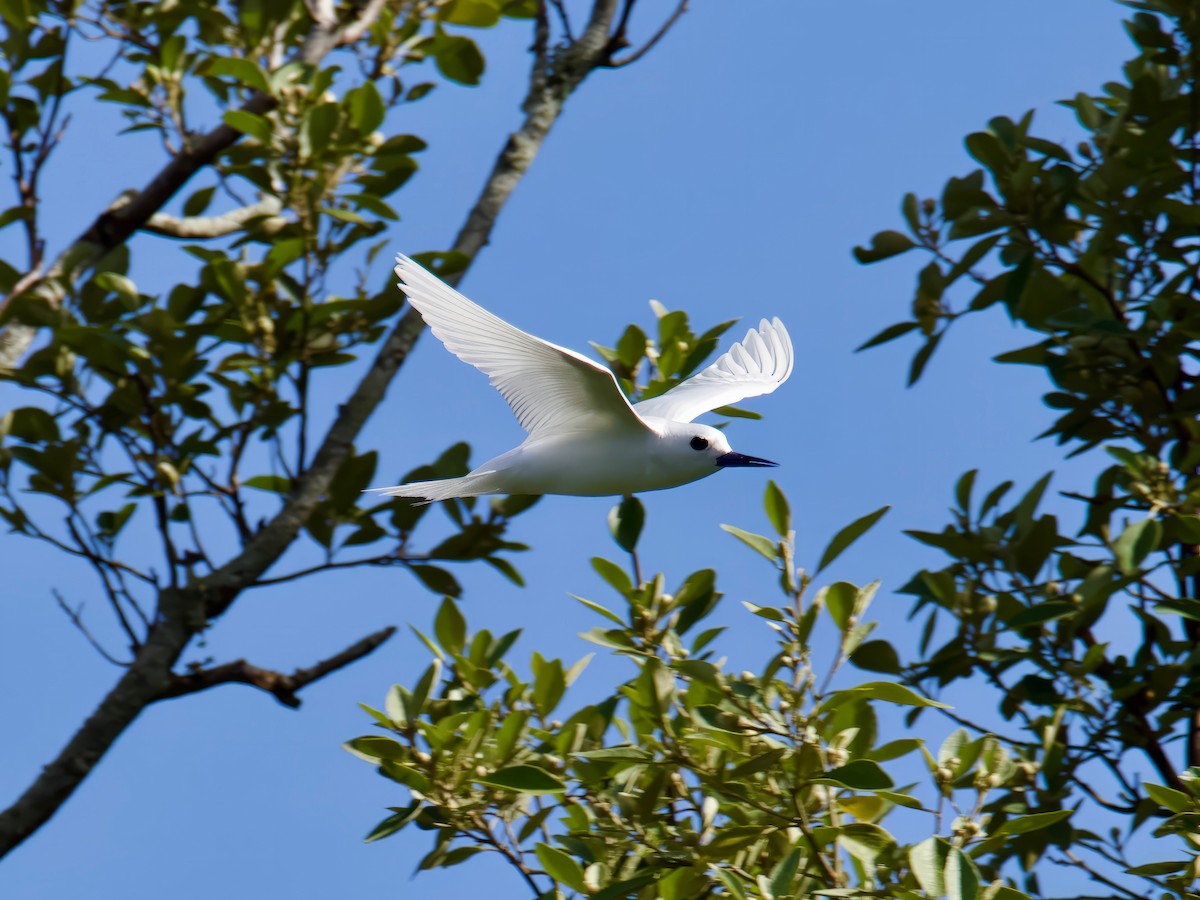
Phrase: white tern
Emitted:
{"points": [[585, 438]]}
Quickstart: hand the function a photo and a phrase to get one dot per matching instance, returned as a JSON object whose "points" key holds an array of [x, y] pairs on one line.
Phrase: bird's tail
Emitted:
{"points": [[472, 485]]}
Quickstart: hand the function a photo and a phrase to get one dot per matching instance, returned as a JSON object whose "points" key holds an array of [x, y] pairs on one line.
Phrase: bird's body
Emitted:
{"points": [[585, 438]]}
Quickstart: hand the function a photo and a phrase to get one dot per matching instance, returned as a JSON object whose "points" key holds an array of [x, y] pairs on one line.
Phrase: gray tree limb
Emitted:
{"points": [[202, 227]]}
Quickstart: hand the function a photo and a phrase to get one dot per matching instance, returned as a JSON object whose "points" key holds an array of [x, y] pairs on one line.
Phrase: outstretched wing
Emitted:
{"points": [[757, 365], [548, 387]]}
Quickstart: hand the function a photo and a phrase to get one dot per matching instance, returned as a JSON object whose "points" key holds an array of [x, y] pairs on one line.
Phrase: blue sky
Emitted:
{"points": [[728, 173]]}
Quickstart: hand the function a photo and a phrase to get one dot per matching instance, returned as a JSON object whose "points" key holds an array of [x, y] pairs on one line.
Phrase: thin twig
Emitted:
{"points": [[658, 36], [76, 617], [282, 687]]}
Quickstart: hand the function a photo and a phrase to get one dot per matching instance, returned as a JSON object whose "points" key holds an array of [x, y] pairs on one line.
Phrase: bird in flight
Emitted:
{"points": [[585, 437]]}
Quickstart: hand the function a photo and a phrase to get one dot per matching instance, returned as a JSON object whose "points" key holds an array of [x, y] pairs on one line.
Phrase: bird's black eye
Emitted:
{"points": [[699, 443]]}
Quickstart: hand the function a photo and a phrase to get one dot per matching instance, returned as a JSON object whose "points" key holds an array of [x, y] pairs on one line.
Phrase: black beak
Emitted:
{"points": [[738, 460]]}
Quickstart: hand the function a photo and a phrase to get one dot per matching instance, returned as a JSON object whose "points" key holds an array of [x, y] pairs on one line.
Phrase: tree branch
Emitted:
{"points": [[184, 610], [116, 224], [201, 227], [283, 687]]}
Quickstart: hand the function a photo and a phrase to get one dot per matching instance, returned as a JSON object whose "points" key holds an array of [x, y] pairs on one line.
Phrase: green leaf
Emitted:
{"points": [[614, 575], [849, 535], [891, 692], [625, 521], [524, 780], [763, 545], [199, 201], [275, 483], [884, 245], [921, 358], [1033, 822], [876, 656], [839, 600], [31, 424], [1175, 801], [635, 754], [375, 747], [316, 131], [366, 107], [561, 866], [596, 607], [458, 58], [394, 823], [242, 70], [1042, 613], [859, 775], [777, 509], [1136, 542], [928, 861], [450, 627], [785, 873], [962, 878], [437, 579], [1159, 868], [865, 841], [888, 334], [249, 123]]}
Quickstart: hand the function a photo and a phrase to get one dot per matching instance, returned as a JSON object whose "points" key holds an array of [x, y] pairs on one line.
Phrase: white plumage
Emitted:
{"points": [[584, 436]]}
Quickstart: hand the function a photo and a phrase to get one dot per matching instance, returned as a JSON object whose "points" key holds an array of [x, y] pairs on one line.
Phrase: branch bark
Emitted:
{"points": [[182, 611], [283, 687], [204, 227], [130, 213]]}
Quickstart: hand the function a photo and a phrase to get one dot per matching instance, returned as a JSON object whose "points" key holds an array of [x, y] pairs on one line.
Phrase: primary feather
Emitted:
{"points": [[549, 388], [757, 365]]}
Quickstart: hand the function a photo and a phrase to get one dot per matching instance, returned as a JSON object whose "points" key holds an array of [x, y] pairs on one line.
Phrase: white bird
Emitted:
{"points": [[585, 438]]}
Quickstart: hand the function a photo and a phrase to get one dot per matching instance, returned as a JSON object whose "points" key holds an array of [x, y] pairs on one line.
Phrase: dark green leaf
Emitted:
{"points": [[625, 521], [524, 780], [849, 535]]}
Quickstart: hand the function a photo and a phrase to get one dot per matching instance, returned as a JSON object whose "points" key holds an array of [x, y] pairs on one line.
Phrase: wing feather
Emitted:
{"points": [[757, 365], [549, 388]]}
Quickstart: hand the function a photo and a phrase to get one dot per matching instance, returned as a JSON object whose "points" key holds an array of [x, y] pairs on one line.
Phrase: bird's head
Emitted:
{"points": [[706, 449]]}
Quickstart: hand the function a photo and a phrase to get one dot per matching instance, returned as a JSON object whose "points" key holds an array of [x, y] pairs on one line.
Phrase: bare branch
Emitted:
{"points": [[282, 687], [658, 36], [76, 617], [386, 559], [199, 227]]}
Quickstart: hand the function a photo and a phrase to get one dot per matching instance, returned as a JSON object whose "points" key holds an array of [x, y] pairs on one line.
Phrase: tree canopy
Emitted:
{"points": [[171, 440]]}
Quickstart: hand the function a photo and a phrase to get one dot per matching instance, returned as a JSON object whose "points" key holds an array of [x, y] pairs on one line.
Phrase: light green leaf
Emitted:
{"points": [[865, 841], [245, 71], [928, 861], [1175, 801], [249, 123], [1136, 542], [962, 878], [560, 866], [893, 693], [763, 545]]}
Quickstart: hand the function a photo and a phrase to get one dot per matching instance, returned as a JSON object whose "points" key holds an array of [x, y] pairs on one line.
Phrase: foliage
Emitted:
{"points": [[196, 404], [182, 440], [688, 780], [1087, 632]]}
